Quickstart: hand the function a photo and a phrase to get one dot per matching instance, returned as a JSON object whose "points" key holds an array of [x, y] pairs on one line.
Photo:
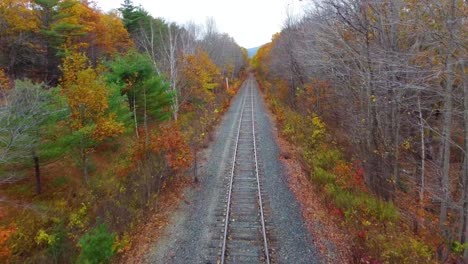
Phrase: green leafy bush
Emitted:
{"points": [[326, 158], [397, 247], [54, 242], [97, 246], [322, 177], [363, 204]]}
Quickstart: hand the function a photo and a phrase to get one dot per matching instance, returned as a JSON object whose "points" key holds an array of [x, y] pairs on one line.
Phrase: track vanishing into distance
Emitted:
{"points": [[241, 210], [243, 238]]}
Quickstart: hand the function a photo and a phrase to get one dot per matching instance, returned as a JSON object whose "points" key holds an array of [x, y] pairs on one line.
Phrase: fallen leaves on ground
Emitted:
{"points": [[148, 232]]}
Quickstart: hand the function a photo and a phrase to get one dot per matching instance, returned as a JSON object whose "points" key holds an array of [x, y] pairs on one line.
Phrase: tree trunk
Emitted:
{"points": [[37, 172], [135, 116], [82, 146], [84, 160], [145, 120], [446, 136], [195, 165], [423, 154], [447, 123], [396, 155], [464, 236]]}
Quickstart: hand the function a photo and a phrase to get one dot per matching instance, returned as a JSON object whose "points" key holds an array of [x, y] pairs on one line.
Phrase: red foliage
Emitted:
{"points": [[335, 211], [359, 175], [350, 176], [362, 235], [174, 145]]}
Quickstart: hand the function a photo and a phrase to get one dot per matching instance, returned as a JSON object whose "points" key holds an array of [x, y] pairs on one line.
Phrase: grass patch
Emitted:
{"points": [[61, 181]]}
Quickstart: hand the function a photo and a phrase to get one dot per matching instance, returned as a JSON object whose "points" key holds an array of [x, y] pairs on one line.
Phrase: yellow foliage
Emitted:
{"points": [[123, 244], [87, 96], [79, 219], [201, 74], [42, 237], [406, 144], [19, 16], [319, 128], [261, 60]]}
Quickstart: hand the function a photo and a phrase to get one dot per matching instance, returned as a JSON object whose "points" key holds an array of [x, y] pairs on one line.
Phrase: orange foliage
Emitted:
{"points": [[117, 38], [103, 33], [4, 81], [316, 94], [349, 177], [261, 60], [171, 141], [5, 234]]}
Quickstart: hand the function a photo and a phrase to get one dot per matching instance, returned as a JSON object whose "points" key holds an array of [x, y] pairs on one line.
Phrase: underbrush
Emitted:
{"points": [[379, 234], [77, 222]]}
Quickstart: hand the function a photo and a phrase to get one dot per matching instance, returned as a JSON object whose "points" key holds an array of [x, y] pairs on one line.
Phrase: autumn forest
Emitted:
{"points": [[108, 119]]}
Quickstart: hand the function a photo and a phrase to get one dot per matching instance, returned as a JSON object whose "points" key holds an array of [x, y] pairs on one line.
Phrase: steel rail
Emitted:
{"points": [[260, 202], [231, 179], [228, 209]]}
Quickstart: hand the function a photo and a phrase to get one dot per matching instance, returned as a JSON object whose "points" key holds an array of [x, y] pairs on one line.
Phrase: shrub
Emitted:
{"points": [[22, 241], [322, 177], [397, 247], [362, 203], [54, 242], [97, 246], [326, 158]]}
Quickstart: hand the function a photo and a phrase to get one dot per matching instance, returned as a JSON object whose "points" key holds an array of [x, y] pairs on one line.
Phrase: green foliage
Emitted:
{"points": [[61, 181], [362, 205], [322, 177], [97, 246], [146, 91], [134, 18], [324, 158], [158, 98], [397, 247], [55, 29], [54, 242], [308, 133], [22, 189], [30, 132], [79, 219], [29, 123], [458, 247]]}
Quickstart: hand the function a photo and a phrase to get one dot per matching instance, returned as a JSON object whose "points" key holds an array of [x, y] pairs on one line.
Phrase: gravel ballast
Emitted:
{"points": [[188, 235]]}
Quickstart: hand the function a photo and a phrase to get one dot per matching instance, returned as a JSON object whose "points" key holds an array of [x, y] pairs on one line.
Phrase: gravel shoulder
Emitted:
{"points": [[186, 238]]}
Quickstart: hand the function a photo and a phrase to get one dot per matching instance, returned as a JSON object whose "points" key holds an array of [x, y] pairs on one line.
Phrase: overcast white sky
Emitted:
{"points": [[250, 22]]}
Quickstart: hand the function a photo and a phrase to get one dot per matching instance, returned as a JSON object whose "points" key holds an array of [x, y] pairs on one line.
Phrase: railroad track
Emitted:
{"points": [[244, 233]]}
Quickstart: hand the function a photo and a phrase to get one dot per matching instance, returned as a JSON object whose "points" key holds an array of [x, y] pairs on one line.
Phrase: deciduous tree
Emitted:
{"points": [[92, 118]]}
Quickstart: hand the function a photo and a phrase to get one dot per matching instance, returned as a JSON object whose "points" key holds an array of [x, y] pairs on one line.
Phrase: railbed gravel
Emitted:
{"points": [[187, 236]]}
